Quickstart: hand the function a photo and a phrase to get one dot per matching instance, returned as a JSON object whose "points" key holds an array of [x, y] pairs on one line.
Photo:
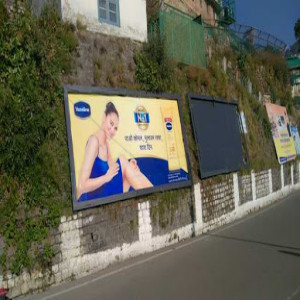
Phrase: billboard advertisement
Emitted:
{"points": [[280, 126], [220, 139], [123, 144], [296, 138]]}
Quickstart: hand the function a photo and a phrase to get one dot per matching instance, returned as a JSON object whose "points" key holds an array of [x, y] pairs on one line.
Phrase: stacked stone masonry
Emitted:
{"points": [[262, 183], [296, 173], [287, 174], [109, 226], [217, 198], [103, 60], [177, 213], [276, 179], [245, 188]]}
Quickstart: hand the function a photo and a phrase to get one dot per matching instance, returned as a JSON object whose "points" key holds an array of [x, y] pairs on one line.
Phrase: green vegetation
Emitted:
{"points": [[79, 24], [34, 167], [154, 71], [266, 71]]}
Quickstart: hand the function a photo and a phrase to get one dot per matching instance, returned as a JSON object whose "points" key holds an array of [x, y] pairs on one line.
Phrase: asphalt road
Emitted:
{"points": [[257, 257]]}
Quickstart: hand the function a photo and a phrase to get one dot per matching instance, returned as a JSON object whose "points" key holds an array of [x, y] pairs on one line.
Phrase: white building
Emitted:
{"points": [[122, 18]]}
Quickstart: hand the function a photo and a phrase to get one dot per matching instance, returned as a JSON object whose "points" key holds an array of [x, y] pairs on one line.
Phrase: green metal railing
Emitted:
{"points": [[224, 36], [184, 37]]}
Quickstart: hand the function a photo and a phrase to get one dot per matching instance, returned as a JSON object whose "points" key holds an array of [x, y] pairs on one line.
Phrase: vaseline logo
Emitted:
{"points": [[169, 125], [82, 109], [141, 117]]}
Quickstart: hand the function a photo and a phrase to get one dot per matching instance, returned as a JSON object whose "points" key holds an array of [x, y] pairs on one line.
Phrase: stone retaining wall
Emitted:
{"points": [[296, 173], [287, 174], [262, 183], [276, 179], [176, 213], [91, 240], [217, 198], [245, 188]]}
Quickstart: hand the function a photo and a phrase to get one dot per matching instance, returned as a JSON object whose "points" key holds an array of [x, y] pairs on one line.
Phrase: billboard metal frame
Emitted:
{"points": [[125, 93]]}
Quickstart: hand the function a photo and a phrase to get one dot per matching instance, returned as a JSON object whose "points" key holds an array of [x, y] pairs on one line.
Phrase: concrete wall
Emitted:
{"points": [[133, 18], [91, 240]]}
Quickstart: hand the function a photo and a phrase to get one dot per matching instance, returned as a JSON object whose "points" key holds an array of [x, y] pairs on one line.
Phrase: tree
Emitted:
{"points": [[297, 30]]}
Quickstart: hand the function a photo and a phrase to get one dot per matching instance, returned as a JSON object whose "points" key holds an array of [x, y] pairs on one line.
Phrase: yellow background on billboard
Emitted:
{"points": [[82, 129], [284, 143]]}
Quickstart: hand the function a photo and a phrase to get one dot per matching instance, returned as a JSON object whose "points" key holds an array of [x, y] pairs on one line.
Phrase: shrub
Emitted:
{"points": [[154, 70], [34, 173]]}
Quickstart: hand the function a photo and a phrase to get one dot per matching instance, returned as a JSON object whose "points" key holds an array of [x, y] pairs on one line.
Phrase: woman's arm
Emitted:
{"points": [[85, 183], [109, 158]]}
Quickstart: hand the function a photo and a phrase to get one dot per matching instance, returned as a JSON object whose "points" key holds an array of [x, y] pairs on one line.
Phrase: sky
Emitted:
{"points": [[276, 17]]}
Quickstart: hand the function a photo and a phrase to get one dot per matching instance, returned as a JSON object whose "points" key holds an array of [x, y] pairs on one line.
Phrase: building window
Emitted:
{"points": [[109, 12]]}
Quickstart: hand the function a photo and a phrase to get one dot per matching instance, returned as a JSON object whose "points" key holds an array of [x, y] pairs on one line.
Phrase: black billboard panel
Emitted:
{"points": [[218, 134]]}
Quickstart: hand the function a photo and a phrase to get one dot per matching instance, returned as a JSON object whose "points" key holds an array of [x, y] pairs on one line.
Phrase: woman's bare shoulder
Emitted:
{"points": [[92, 144]]}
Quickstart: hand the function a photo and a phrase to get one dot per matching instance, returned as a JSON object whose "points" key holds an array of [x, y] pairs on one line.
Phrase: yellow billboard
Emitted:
{"points": [[280, 126], [122, 145]]}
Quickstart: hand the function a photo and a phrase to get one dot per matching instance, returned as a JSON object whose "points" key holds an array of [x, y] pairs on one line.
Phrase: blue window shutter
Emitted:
{"points": [[109, 12]]}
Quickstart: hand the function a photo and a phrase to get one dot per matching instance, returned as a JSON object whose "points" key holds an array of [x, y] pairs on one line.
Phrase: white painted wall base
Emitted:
{"points": [[253, 185], [198, 224]]}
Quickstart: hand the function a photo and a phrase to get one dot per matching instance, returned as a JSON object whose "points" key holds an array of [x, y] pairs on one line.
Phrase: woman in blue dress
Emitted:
{"points": [[100, 176]]}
